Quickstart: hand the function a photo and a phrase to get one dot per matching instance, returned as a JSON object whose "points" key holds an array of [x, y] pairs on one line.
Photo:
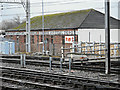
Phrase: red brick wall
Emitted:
{"points": [[57, 40]]}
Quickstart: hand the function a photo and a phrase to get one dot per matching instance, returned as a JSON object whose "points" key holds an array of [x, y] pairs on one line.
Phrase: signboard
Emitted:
{"points": [[46, 33], [69, 39]]}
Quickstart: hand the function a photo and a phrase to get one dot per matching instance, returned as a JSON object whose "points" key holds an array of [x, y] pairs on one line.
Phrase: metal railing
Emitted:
{"points": [[91, 48]]}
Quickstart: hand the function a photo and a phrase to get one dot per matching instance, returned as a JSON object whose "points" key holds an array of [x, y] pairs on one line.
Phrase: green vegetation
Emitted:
{"points": [[60, 20]]}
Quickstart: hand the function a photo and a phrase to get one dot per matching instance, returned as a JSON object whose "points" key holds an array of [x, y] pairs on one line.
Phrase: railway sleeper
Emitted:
{"points": [[62, 77], [18, 76], [66, 82], [104, 87], [10, 88], [41, 80], [55, 76], [93, 81], [83, 80], [63, 82], [22, 83], [89, 86], [46, 86], [26, 76], [114, 84], [78, 85], [46, 75], [104, 83], [69, 84], [8, 75], [55, 81], [48, 80], [99, 87]]}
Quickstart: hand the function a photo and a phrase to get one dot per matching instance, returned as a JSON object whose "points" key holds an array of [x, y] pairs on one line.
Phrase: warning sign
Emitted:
{"points": [[69, 39]]}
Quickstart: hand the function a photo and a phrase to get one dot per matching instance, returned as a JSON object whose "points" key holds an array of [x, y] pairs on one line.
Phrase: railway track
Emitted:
{"points": [[39, 61], [41, 80]]}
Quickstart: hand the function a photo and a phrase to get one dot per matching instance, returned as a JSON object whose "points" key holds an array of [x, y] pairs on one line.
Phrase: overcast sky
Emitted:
{"points": [[56, 6]]}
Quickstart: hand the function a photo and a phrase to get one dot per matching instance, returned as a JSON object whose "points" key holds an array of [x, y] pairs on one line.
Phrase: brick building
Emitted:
{"points": [[57, 26]]}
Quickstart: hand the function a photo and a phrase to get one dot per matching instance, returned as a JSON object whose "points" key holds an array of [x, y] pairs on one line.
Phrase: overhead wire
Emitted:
{"points": [[50, 4], [55, 11], [63, 3], [48, 12]]}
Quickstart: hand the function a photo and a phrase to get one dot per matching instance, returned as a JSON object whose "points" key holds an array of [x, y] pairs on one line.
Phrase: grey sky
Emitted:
{"points": [[56, 6]]}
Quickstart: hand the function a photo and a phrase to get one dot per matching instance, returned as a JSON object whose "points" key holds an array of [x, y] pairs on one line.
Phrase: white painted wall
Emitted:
{"points": [[83, 35]]}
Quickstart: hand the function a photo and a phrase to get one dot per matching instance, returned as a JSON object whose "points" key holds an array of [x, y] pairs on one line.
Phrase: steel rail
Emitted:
{"points": [[74, 80]]}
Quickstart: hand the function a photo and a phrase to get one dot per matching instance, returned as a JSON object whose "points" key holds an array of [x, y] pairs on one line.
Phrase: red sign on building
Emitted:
{"points": [[69, 39]]}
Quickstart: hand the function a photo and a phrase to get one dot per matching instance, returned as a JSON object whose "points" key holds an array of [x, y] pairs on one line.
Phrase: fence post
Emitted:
{"points": [[86, 47], [115, 49], [100, 49], [80, 46], [10, 48], [70, 59], [24, 60], [17, 47], [104, 49], [118, 49], [94, 47], [61, 59], [21, 60], [73, 46], [50, 64], [37, 47], [62, 51], [53, 49], [90, 48]]}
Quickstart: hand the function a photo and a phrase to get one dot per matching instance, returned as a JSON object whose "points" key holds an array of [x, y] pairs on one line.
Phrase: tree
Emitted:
{"points": [[17, 20], [9, 24]]}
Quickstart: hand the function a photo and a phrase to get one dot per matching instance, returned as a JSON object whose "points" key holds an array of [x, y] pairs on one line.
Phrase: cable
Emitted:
{"points": [[38, 12], [53, 3], [65, 2], [56, 3], [63, 11], [11, 8]]}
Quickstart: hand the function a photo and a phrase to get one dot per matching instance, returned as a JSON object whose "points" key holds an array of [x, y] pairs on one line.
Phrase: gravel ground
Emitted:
{"points": [[81, 73], [4, 84]]}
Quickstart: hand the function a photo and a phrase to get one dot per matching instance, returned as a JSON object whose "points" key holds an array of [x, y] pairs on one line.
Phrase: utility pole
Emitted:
{"points": [[43, 26], [28, 44], [1, 14], [107, 36], [74, 41]]}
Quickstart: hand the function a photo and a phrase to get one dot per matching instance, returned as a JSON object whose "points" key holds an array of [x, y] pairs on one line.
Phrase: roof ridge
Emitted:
{"points": [[64, 12], [85, 18]]}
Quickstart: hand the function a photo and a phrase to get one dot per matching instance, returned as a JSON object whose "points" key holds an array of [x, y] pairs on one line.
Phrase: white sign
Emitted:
{"points": [[69, 39]]}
